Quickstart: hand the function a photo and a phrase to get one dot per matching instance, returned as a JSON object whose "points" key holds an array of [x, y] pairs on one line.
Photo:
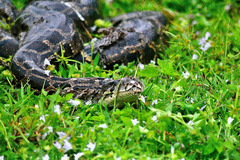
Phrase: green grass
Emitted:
{"points": [[190, 116]]}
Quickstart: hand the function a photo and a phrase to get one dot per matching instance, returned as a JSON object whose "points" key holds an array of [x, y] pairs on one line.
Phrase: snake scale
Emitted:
{"points": [[45, 27]]}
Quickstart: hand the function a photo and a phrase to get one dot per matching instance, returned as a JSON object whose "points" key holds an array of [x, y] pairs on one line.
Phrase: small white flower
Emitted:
{"points": [[194, 22], [203, 107], [229, 120], [227, 7], [78, 155], [141, 66], [74, 102], [61, 135], [77, 117], [47, 72], [194, 57], [103, 125], [66, 145], [152, 61], [186, 74], [172, 149], [190, 123], [207, 35], [43, 118], [1, 157], [196, 76], [50, 129], [154, 118], [44, 136], [205, 44], [91, 146], [192, 100], [134, 121], [142, 98], [46, 62], [154, 102], [45, 157], [182, 145], [57, 109], [226, 80], [65, 157], [57, 145]]}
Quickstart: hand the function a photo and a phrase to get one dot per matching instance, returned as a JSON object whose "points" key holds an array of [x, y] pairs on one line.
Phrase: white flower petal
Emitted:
{"points": [[66, 145], [57, 109], [229, 120], [47, 72], [46, 62], [141, 66], [44, 136], [207, 35], [203, 107], [78, 155], [50, 129], [142, 98], [172, 149], [74, 102], [65, 157], [134, 121], [186, 74], [91, 146], [45, 157], [152, 61], [61, 134], [154, 102], [57, 145], [1, 157], [194, 57], [154, 118], [43, 118], [103, 125]]}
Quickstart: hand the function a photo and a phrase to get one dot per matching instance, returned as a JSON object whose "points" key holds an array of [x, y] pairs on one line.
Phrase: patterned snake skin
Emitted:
{"points": [[46, 27]]}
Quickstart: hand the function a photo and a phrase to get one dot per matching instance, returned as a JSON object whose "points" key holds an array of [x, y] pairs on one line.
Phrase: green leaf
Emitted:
{"points": [[235, 49], [96, 60], [166, 67], [127, 121], [149, 71]]}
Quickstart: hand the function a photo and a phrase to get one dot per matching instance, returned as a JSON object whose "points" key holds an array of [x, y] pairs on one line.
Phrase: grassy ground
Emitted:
{"points": [[190, 107]]}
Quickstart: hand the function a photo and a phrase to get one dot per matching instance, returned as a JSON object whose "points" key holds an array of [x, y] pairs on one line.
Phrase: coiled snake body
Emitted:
{"points": [[50, 26]]}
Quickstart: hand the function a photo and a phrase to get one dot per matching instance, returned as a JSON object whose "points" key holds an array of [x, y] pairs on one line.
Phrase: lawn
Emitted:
{"points": [[189, 109]]}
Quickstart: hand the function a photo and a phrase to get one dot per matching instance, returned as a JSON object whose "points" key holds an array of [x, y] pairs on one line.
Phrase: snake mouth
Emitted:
{"points": [[127, 89]]}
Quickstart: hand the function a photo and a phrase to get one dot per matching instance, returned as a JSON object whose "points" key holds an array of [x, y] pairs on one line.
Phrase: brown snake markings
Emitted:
{"points": [[49, 25]]}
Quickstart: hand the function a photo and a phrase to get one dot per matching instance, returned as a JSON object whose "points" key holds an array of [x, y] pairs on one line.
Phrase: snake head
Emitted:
{"points": [[122, 90]]}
